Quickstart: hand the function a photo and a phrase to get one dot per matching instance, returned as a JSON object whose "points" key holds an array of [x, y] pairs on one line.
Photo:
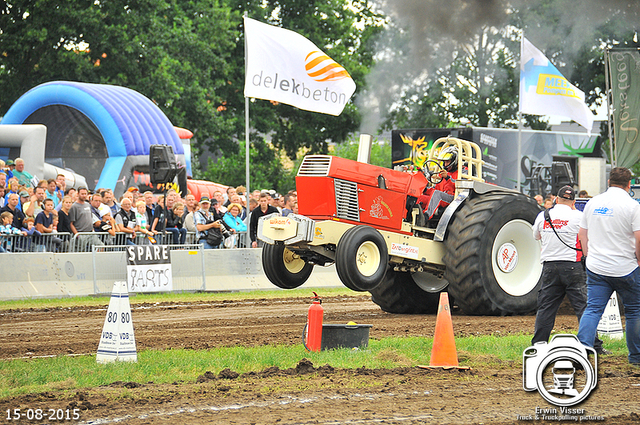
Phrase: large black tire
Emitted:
{"points": [[361, 258], [283, 267], [486, 225], [399, 294]]}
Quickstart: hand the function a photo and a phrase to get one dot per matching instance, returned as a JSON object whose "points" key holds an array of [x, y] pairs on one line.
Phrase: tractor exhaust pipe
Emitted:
{"points": [[364, 148]]}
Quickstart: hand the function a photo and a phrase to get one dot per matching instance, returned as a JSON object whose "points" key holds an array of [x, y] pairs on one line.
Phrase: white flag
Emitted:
{"points": [[544, 91], [284, 66]]}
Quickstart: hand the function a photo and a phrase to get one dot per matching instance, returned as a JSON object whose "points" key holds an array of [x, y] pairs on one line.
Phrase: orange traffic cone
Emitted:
{"points": [[443, 353]]}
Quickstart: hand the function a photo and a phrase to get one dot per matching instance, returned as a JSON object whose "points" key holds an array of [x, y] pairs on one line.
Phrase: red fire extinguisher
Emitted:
{"points": [[312, 336]]}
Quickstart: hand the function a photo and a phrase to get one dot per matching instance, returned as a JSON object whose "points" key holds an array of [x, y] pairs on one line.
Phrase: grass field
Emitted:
{"points": [[177, 298], [71, 373]]}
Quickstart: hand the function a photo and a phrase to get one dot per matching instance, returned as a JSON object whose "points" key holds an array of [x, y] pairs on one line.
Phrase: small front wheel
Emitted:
{"points": [[283, 267], [361, 258]]}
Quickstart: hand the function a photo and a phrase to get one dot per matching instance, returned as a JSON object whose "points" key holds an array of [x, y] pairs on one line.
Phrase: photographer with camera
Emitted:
{"points": [[610, 235], [210, 229], [562, 271]]}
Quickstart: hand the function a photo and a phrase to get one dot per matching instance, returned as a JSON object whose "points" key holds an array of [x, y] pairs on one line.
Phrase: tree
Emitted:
{"points": [[478, 86], [188, 57], [469, 62], [380, 152], [342, 29], [265, 172], [178, 54]]}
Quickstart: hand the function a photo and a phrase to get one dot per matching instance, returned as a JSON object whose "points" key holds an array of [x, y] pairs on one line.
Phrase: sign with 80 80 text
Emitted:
{"points": [[149, 268]]}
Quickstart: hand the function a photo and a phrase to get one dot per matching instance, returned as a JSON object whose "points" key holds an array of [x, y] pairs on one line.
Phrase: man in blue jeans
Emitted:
{"points": [[610, 237], [562, 273]]}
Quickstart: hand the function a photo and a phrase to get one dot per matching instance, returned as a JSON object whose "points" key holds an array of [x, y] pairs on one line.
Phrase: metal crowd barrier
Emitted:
{"points": [[48, 242], [84, 241]]}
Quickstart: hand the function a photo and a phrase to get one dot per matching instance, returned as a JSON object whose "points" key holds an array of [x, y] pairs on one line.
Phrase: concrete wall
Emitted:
{"points": [[49, 275]]}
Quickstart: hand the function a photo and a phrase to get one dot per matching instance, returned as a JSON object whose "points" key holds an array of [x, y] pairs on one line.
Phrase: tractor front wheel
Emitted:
{"points": [[361, 258], [283, 267]]}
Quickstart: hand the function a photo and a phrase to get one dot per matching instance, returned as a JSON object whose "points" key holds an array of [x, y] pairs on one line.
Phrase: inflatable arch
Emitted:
{"points": [[102, 132]]}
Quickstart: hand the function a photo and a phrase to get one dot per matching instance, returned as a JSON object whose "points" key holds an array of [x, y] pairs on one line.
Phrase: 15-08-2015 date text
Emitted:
{"points": [[43, 414]]}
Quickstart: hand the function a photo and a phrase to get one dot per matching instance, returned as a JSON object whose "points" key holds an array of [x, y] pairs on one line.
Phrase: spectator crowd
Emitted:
{"points": [[45, 215]]}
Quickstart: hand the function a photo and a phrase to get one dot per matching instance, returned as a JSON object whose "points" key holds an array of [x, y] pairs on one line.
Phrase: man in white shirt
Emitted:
{"points": [[610, 235], [562, 272]]}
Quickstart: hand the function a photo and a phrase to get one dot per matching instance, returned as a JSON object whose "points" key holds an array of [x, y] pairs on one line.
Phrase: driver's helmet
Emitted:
{"points": [[449, 153]]}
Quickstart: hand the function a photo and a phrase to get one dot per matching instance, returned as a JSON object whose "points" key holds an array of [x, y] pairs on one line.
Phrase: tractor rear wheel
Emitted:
{"points": [[492, 261], [361, 258], [398, 293], [283, 267]]}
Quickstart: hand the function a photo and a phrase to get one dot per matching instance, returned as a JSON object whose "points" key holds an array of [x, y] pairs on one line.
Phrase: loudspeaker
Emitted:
{"points": [[162, 164]]}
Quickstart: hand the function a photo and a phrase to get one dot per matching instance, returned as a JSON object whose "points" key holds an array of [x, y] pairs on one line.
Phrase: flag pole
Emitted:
{"points": [[608, 93], [246, 123], [519, 154], [519, 160]]}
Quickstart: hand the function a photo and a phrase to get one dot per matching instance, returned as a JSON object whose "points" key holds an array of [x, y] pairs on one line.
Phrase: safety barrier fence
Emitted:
{"points": [[54, 274], [85, 241]]}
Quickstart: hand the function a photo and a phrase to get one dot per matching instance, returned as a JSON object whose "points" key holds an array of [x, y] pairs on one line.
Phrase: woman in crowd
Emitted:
{"points": [[64, 222], [233, 221]]}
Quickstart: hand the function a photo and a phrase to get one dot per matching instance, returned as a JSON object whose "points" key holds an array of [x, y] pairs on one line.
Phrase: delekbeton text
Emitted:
{"points": [[297, 88]]}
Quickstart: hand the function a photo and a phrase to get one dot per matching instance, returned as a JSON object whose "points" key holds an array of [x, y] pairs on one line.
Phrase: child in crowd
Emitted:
{"points": [[141, 219], [6, 228], [107, 223], [6, 218], [30, 230], [30, 227], [45, 224]]}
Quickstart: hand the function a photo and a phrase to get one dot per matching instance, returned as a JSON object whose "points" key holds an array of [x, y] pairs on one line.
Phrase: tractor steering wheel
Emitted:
{"points": [[432, 169]]}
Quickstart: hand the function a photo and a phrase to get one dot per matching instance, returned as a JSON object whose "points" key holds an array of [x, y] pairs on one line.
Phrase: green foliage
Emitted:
{"points": [[265, 171], [470, 74], [188, 57], [342, 29], [380, 152], [479, 86], [179, 54]]}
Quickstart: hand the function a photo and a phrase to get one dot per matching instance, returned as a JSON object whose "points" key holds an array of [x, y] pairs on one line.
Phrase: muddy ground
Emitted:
{"points": [[307, 394]]}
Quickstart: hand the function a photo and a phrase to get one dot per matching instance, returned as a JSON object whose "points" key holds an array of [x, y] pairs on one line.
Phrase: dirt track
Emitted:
{"points": [[309, 393]]}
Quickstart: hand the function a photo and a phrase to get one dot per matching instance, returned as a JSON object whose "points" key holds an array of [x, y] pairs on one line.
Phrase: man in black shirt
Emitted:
{"points": [[263, 209], [12, 207]]}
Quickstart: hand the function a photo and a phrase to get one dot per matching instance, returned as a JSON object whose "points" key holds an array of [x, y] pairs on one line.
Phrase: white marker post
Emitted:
{"points": [[117, 342], [610, 323]]}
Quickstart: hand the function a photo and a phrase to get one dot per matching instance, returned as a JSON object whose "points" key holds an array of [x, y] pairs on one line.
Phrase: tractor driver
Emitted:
{"points": [[442, 194]]}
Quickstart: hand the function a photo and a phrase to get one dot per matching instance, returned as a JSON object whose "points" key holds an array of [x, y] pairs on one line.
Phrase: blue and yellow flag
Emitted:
{"points": [[544, 91]]}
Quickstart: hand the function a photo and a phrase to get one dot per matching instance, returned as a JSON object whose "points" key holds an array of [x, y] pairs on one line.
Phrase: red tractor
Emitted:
{"points": [[366, 220]]}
